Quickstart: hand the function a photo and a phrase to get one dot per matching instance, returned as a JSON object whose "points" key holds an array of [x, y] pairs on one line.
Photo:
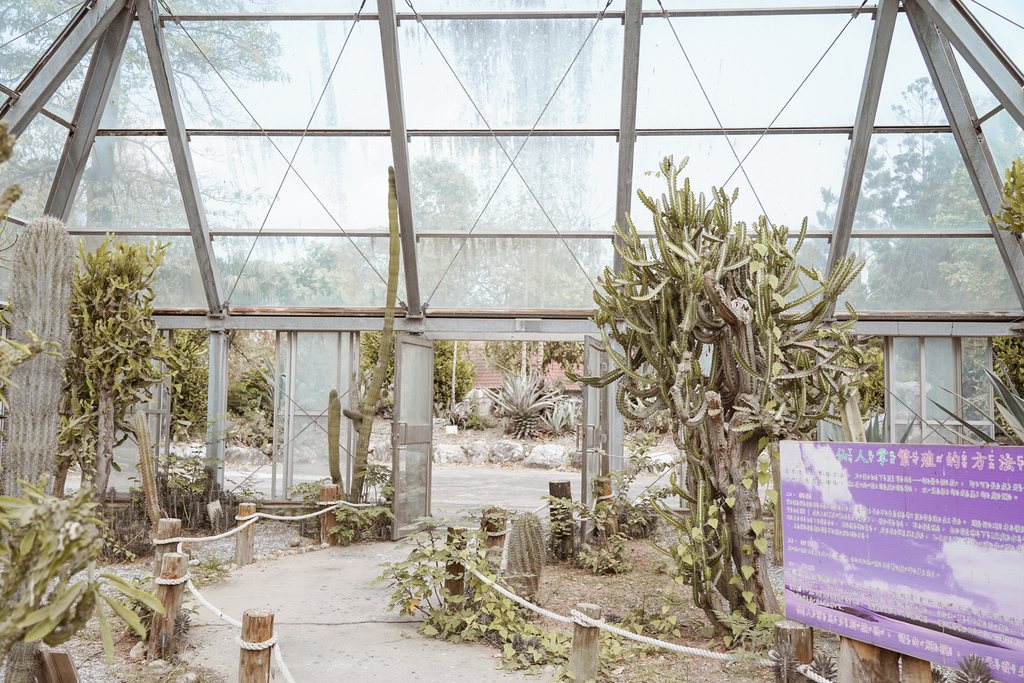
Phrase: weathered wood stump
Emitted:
{"points": [[245, 539], [583, 662], [329, 493], [165, 528], [254, 665], [457, 584], [861, 662], [561, 518], [162, 639]]}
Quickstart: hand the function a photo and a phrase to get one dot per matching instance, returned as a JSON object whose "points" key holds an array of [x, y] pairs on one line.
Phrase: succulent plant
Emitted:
{"points": [[147, 467], [523, 400], [972, 669], [526, 553], [334, 437], [784, 664], [825, 666]]}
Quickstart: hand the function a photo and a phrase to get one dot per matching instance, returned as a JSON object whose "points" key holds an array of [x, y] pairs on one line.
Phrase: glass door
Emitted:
{"points": [[412, 431]]}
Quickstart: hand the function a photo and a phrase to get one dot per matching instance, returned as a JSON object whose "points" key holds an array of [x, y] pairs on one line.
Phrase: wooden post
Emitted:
{"points": [[801, 637], [585, 641], [162, 639], [165, 528], [328, 494], [562, 545], [457, 585], [915, 670], [494, 520], [244, 539], [254, 665], [606, 490], [861, 662], [57, 667]]}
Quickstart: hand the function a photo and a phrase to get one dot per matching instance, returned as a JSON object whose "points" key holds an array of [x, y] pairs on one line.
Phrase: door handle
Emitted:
{"points": [[401, 434]]}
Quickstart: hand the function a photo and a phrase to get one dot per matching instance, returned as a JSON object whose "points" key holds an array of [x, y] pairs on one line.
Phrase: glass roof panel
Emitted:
{"points": [[271, 6], [178, 284], [716, 4], [33, 164], [793, 175], [278, 69], [917, 182], [509, 5], [511, 68], [1005, 139], [239, 177], [129, 184], [931, 274], [304, 272], [1004, 21], [749, 67], [453, 179], [511, 273], [19, 54], [132, 102], [908, 97]]}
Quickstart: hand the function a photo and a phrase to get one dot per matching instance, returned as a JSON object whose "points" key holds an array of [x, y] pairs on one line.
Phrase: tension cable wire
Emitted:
{"points": [[40, 25], [271, 141], [795, 92], [985, 7], [707, 99], [511, 159]]}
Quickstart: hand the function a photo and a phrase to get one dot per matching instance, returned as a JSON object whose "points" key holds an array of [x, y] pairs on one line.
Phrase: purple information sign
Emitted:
{"points": [[915, 548]]}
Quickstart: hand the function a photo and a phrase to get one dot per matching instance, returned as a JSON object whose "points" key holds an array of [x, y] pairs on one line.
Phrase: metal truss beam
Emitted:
{"points": [[942, 66], [860, 146], [35, 91], [627, 113], [170, 107], [400, 153], [993, 67], [106, 60]]}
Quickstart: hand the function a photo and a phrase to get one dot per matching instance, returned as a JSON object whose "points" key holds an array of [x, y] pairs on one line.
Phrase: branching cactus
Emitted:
{"points": [[717, 322], [526, 553], [147, 467], [44, 261], [334, 437]]}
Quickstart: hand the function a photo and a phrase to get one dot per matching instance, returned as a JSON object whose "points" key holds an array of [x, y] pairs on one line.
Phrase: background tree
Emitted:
{"points": [[115, 352], [698, 321]]}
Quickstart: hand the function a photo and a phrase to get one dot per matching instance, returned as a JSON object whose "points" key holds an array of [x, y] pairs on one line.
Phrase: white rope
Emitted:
{"points": [[256, 647], [494, 534], [281, 665], [812, 674], [202, 539], [170, 582]]}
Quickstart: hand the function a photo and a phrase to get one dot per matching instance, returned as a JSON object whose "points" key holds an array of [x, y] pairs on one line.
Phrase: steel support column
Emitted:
{"points": [[400, 152], [217, 397], [984, 55], [35, 91], [170, 107], [956, 103], [627, 113], [860, 145], [106, 60]]}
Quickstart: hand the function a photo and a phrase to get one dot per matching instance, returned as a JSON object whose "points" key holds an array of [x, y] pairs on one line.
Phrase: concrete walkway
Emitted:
{"points": [[332, 624]]}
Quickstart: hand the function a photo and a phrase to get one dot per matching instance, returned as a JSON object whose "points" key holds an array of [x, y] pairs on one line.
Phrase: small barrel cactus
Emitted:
{"points": [[526, 553]]}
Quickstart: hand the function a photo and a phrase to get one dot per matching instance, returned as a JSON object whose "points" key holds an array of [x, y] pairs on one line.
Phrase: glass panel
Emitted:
{"points": [[940, 376], [304, 272], [32, 165], [18, 55], [334, 181], [309, 448], [282, 74], [507, 5], [178, 284], [931, 274], [1006, 140], [749, 67], [908, 96], [417, 393], [975, 386], [906, 387], [512, 273], [269, 6], [795, 176], [129, 183], [714, 4], [525, 61], [316, 370], [917, 182], [456, 180], [411, 484], [1003, 19]]}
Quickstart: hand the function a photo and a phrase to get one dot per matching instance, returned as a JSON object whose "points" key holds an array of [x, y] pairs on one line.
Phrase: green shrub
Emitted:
{"points": [[189, 386], [465, 372]]}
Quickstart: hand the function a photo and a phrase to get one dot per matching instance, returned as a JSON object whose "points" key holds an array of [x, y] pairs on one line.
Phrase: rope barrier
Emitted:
{"points": [[515, 598], [256, 647], [170, 582]]}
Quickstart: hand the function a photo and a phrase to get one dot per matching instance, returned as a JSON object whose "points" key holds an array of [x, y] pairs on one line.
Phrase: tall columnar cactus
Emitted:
{"points": [[717, 322], [526, 552], [334, 437], [147, 467], [363, 418], [44, 261]]}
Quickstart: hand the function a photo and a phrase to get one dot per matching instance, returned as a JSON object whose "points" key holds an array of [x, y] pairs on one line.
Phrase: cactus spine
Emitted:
{"points": [[147, 467], [526, 553], [44, 261], [334, 437]]}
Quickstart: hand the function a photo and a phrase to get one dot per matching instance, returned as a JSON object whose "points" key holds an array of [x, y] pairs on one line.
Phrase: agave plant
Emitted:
{"points": [[563, 416], [972, 669], [1010, 407], [523, 399]]}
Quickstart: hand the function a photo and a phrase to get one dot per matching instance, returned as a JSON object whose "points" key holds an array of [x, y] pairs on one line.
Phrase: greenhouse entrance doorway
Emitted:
{"points": [[412, 431]]}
